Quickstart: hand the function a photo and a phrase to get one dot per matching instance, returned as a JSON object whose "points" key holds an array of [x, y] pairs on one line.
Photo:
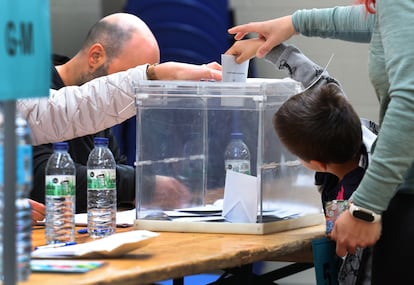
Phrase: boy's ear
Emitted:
{"points": [[318, 166]]}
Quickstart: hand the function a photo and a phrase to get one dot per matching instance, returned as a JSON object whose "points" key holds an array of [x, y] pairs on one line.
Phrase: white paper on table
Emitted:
{"points": [[240, 198], [111, 246]]}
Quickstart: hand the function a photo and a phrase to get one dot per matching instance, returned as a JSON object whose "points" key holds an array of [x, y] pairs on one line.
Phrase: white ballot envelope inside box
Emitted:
{"points": [[240, 202]]}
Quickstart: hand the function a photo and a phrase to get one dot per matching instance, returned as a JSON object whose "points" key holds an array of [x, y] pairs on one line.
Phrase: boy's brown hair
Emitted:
{"points": [[320, 124]]}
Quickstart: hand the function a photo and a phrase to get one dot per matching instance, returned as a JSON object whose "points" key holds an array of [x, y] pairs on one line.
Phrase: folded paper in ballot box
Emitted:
{"points": [[240, 198]]}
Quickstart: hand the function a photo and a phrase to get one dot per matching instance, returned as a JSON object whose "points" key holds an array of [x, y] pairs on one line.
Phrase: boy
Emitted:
{"points": [[323, 130]]}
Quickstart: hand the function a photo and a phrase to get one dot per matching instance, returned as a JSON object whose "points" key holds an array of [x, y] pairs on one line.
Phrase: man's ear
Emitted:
{"points": [[96, 56], [318, 166]]}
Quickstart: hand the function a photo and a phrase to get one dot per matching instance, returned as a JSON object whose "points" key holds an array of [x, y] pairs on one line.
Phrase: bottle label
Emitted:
{"points": [[60, 185], [238, 165], [101, 179], [24, 164]]}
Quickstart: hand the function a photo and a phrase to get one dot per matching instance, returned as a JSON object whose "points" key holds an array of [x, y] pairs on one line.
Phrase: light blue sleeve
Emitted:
{"points": [[391, 71], [349, 23]]}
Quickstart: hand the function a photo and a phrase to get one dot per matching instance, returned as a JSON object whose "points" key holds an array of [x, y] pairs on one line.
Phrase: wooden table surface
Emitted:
{"points": [[173, 255]]}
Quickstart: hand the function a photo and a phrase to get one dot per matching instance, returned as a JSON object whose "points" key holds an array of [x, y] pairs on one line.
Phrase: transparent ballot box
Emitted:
{"points": [[182, 172]]}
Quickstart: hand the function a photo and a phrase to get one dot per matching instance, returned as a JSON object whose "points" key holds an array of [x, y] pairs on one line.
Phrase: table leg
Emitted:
{"points": [[284, 272], [178, 281], [244, 275]]}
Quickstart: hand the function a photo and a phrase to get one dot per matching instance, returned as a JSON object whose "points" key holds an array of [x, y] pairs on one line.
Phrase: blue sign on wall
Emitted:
{"points": [[25, 49]]}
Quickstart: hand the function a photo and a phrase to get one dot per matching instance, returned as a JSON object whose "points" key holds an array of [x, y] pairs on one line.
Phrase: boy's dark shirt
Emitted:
{"points": [[79, 149], [330, 186]]}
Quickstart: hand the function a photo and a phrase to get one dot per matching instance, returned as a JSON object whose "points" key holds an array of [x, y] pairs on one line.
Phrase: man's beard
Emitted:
{"points": [[100, 71]]}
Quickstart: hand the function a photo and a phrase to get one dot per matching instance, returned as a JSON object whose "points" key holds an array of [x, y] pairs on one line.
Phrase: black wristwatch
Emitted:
{"points": [[364, 214]]}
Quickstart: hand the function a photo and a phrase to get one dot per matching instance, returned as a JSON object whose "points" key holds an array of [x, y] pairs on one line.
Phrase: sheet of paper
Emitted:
{"points": [[233, 71], [111, 246], [240, 198]]}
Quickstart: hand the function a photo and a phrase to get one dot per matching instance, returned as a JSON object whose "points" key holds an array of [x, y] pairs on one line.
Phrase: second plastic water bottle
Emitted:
{"points": [[101, 174], [60, 182], [237, 155]]}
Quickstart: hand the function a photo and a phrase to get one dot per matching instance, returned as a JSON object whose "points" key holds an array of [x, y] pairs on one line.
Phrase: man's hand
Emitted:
{"points": [[185, 71], [350, 233], [38, 211], [274, 32]]}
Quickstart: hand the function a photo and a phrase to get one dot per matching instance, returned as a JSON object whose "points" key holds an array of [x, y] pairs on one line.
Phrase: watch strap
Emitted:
{"points": [[364, 214]]}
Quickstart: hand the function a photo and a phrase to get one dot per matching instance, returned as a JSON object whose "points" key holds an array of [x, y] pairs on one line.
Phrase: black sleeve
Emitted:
{"points": [[41, 155], [125, 184]]}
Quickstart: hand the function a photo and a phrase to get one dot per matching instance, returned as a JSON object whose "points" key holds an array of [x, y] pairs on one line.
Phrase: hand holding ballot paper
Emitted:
{"points": [[233, 71]]}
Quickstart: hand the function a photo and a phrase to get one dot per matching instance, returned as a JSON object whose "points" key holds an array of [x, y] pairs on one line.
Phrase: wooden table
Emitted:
{"points": [[174, 255]]}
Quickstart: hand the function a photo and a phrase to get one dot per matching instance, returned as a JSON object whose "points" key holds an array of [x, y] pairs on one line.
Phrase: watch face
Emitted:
{"points": [[363, 216]]}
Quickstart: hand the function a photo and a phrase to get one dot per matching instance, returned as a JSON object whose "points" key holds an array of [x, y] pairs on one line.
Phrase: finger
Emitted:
{"points": [[264, 49], [215, 65], [215, 75], [234, 30], [340, 250], [351, 249], [242, 30], [231, 51], [37, 216], [211, 74], [240, 58], [39, 207], [239, 36]]}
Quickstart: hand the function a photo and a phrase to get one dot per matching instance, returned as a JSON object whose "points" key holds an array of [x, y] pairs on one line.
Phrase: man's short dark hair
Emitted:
{"points": [[110, 35]]}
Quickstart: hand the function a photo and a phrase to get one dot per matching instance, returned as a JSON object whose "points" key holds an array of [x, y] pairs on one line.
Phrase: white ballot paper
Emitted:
{"points": [[240, 198], [233, 71]]}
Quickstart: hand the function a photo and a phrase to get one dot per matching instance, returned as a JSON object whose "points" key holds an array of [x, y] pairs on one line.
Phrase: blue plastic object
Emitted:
{"points": [[193, 31]]}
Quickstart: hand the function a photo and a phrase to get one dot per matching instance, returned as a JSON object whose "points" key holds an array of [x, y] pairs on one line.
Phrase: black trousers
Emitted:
{"points": [[393, 254]]}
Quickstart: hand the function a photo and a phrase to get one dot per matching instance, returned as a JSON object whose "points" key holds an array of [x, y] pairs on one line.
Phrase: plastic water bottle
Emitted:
{"points": [[60, 185], [23, 187], [101, 173], [237, 155]]}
